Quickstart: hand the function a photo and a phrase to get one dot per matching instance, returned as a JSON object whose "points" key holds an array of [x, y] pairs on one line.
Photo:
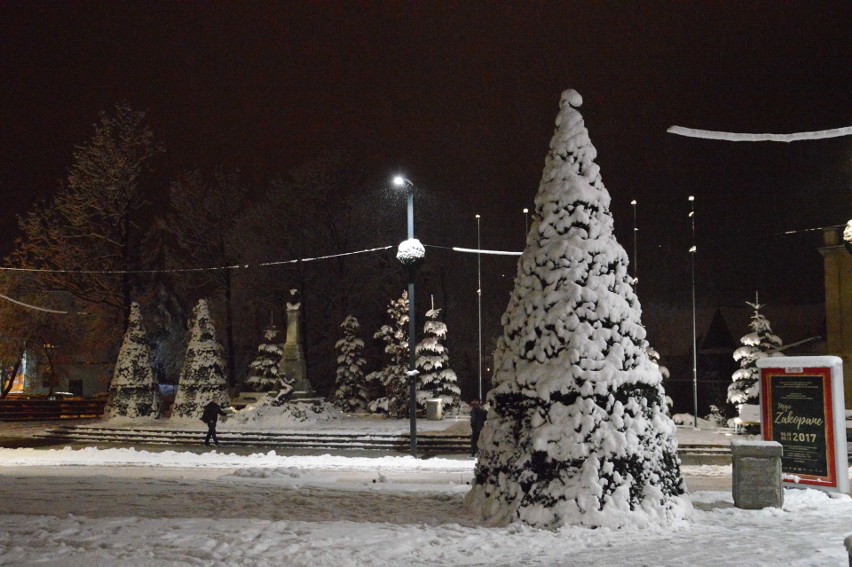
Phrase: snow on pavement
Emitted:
{"points": [[94, 507]]}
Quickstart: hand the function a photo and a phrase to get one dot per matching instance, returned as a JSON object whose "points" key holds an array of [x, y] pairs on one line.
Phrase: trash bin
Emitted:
{"points": [[434, 410]]}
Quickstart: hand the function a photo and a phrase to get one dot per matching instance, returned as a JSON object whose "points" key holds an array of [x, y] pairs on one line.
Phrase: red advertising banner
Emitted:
{"points": [[800, 406]]}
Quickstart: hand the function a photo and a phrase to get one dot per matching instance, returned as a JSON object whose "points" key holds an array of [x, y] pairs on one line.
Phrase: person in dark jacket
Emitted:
{"points": [[477, 421], [211, 414]]}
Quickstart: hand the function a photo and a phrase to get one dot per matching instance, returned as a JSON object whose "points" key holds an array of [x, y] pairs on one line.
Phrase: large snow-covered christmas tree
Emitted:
{"points": [[264, 373], [435, 378], [394, 377], [577, 431], [350, 391], [202, 378], [759, 343], [133, 391]]}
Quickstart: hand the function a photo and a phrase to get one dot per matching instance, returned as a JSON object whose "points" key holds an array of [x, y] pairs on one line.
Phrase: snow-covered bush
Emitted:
{"points": [[759, 343], [265, 373], [847, 235], [393, 377], [350, 391], [577, 432], [133, 391], [435, 378], [267, 415], [202, 378]]}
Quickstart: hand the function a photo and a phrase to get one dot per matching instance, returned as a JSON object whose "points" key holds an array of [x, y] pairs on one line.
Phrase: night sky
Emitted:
{"points": [[461, 97]]}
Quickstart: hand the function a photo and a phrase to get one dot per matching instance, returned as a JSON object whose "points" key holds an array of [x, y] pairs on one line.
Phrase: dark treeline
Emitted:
{"points": [[112, 233]]}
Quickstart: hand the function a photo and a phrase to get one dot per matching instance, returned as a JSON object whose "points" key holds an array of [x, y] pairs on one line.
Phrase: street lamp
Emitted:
{"points": [[526, 224], [411, 262], [479, 300], [692, 252], [635, 253]]}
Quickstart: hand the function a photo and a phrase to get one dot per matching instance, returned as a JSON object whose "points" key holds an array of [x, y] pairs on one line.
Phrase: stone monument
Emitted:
{"points": [[293, 359]]}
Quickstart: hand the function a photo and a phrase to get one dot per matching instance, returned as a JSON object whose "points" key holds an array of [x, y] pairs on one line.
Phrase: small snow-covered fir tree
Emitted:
{"points": [[394, 376], [350, 392], [577, 431], [133, 391], [435, 378], [759, 343], [264, 374], [202, 378]]}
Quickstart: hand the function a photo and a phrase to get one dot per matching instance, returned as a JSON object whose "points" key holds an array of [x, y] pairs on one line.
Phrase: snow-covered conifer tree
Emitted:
{"points": [[264, 374], [350, 393], [759, 343], [394, 375], [435, 378], [202, 378], [133, 391], [577, 431]]}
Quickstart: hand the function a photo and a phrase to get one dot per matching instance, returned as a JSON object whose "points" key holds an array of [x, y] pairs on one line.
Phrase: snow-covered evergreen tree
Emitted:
{"points": [[133, 391], [202, 378], [394, 375], [350, 392], [435, 378], [577, 432], [759, 343], [264, 374]]}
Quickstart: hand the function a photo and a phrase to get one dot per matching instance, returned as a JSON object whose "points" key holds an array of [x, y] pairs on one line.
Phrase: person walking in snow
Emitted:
{"points": [[211, 414], [477, 421]]}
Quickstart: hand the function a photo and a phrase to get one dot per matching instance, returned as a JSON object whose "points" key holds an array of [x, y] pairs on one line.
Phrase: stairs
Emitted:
{"points": [[307, 440]]}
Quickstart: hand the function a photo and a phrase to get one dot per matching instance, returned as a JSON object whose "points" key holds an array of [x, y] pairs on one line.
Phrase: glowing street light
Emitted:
{"points": [[412, 263]]}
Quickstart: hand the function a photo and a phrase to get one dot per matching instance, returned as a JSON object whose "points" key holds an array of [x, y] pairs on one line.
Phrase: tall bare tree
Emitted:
{"points": [[202, 220], [83, 236]]}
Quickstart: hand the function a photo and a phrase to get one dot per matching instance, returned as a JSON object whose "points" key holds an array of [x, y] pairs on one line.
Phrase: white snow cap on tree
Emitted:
{"points": [[577, 431], [847, 233], [133, 391], [202, 378]]}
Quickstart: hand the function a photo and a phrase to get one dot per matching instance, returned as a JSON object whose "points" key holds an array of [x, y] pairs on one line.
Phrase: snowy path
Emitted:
{"points": [[84, 508]]}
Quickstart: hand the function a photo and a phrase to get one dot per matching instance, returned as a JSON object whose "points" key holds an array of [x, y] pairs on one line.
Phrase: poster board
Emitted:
{"points": [[802, 407]]}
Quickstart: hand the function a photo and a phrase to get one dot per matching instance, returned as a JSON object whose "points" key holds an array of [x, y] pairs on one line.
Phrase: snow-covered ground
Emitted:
{"points": [[92, 507]]}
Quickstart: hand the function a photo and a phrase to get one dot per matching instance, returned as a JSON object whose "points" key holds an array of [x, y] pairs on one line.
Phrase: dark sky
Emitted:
{"points": [[461, 96]]}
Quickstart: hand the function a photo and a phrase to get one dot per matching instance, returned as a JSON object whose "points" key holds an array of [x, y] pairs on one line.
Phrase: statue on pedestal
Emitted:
{"points": [[293, 360]]}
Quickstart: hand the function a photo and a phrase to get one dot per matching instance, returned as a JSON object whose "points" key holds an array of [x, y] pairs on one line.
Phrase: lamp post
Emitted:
{"points": [[402, 182], [692, 252], [479, 300], [635, 253], [526, 224]]}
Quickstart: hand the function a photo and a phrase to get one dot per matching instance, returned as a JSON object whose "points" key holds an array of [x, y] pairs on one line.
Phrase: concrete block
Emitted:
{"points": [[757, 474]]}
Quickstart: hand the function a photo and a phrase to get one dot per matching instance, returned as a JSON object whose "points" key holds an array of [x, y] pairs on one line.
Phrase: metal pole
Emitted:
{"points": [[635, 249], [692, 252], [412, 378], [526, 225], [479, 300]]}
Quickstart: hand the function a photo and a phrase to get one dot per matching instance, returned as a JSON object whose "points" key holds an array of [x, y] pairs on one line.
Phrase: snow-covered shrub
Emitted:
{"points": [[264, 374], [435, 378], [577, 432], [133, 391], [393, 377], [266, 415], [759, 343], [350, 391], [202, 378]]}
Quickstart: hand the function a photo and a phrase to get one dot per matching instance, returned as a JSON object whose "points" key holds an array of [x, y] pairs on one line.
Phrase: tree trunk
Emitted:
{"points": [[9, 379]]}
